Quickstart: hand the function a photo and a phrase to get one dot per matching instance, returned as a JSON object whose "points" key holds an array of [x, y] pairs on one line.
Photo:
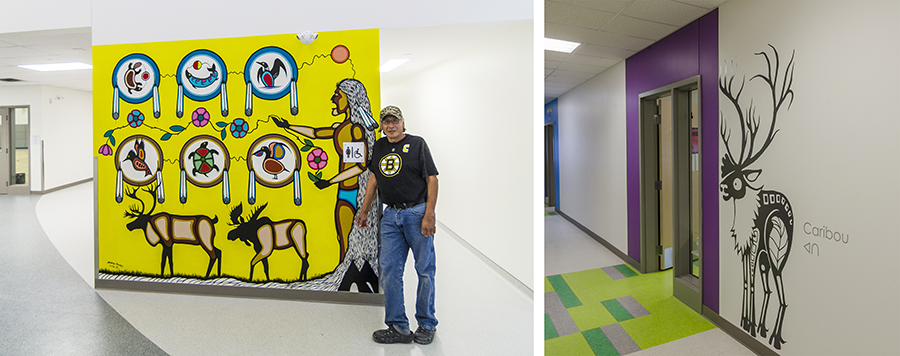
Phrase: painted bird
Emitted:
{"points": [[267, 77], [273, 153], [137, 156]]}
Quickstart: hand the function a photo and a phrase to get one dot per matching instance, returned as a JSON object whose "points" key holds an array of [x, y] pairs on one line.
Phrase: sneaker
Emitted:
{"points": [[424, 336], [392, 336]]}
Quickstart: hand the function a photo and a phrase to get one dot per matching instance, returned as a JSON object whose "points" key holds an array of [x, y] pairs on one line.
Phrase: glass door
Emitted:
{"points": [[21, 143], [4, 150]]}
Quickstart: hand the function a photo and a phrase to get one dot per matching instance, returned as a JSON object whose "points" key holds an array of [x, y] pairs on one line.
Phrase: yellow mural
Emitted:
{"points": [[225, 157]]}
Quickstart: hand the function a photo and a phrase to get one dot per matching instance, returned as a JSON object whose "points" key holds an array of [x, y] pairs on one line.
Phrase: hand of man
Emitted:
{"points": [[322, 184], [428, 227], [362, 219], [281, 122]]}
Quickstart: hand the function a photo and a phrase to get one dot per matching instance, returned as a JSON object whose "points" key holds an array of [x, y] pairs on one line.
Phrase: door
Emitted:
{"points": [[4, 150], [666, 180], [670, 186], [15, 134], [549, 173]]}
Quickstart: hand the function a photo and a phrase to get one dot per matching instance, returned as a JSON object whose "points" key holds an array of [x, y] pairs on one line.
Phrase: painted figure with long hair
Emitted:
{"points": [[358, 246]]}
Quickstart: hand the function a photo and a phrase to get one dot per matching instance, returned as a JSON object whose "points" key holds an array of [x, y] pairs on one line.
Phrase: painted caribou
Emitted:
{"points": [[168, 229], [266, 235], [763, 242]]}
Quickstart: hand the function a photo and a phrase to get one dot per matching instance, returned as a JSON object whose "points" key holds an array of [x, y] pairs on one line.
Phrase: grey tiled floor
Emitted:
{"points": [[45, 308], [49, 308]]}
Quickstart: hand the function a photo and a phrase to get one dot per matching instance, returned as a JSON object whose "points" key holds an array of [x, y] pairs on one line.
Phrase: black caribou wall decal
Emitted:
{"points": [[763, 241]]}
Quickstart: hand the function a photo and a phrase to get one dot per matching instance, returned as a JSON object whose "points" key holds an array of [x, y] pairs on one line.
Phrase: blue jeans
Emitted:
{"points": [[401, 230]]}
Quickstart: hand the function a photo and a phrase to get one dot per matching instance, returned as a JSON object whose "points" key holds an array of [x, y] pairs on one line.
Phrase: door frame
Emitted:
{"points": [[686, 287], [7, 179]]}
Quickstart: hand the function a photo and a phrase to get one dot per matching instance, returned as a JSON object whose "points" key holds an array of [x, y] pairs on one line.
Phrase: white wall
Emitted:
{"points": [[65, 127], [476, 113], [186, 20], [592, 179], [836, 159], [66, 130], [36, 15]]}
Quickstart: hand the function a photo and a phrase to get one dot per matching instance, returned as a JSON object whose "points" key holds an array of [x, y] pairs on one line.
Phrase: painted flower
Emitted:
{"points": [[105, 150], [135, 118], [317, 159], [200, 117], [238, 128]]}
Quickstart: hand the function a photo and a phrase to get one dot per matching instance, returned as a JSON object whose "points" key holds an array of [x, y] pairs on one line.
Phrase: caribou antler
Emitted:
{"points": [[778, 98], [134, 212]]}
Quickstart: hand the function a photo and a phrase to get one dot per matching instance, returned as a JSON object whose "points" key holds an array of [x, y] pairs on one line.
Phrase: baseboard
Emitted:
{"points": [[737, 333], [51, 190], [243, 292], [602, 241]]}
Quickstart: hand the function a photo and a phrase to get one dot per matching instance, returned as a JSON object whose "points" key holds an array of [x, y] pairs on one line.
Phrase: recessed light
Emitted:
{"points": [[560, 45], [392, 64], [51, 67]]}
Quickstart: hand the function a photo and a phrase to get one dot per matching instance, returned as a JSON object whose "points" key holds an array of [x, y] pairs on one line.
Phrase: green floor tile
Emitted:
{"points": [[591, 316], [548, 287], [617, 310], [599, 343], [565, 293], [626, 271], [657, 328], [549, 329], [569, 345]]}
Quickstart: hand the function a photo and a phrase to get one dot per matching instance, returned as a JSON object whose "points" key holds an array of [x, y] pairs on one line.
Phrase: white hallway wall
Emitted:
{"points": [[476, 113], [505, 237], [836, 159], [592, 180], [63, 125]]}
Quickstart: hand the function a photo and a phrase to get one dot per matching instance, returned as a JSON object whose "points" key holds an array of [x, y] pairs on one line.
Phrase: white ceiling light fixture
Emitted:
{"points": [[560, 45], [392, 64], [52, 67]]}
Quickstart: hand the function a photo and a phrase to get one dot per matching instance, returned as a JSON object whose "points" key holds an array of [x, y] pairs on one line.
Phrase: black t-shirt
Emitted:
{"points": [[401, 168]]}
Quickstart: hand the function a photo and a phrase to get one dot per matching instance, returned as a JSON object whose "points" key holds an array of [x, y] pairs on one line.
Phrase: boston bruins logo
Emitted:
{"points": [[390, 165]]}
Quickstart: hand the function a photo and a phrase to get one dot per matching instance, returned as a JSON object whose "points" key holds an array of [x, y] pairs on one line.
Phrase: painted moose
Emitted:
{"points": [[168, 229], [763, 242], [266, 235]]}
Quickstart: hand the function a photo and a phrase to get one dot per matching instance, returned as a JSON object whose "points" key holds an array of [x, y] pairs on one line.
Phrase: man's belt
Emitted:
{"points": [[399, 206]]}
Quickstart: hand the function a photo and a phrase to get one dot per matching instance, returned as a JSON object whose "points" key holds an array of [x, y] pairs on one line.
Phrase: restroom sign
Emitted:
{"points": [[354, 152]]}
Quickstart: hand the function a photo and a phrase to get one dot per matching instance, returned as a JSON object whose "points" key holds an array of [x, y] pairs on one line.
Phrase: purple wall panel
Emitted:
{"points": [[689, 51]]}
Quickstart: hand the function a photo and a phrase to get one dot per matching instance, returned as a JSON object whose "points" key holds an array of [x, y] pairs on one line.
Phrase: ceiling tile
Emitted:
{"points": [[603, 51], [613, 6], [593, 61], [615, 40], [555, 56], [19, 52], [664, 11], [576, 16], [583, 68], [639, 28]]}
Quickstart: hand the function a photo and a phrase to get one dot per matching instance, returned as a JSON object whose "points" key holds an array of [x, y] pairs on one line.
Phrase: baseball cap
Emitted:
{"points": [[391, 111]]}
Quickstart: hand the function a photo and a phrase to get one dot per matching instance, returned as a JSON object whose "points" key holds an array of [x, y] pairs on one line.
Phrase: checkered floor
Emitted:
{"points": [[614, 311]]}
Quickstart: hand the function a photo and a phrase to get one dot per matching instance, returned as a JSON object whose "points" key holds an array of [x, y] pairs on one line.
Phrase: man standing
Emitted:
{"points": [[405, 177]]}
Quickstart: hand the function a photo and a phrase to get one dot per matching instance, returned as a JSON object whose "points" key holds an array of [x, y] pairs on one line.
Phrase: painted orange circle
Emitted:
{"points": [[340, 54]]}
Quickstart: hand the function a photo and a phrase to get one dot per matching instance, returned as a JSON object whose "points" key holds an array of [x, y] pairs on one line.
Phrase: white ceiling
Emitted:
{"points": [[609, 31], [51, 46]]}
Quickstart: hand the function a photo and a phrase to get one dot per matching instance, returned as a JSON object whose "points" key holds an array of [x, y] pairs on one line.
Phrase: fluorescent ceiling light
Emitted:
{"points": [[392, 64], [52, 67], [560, 45]]}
